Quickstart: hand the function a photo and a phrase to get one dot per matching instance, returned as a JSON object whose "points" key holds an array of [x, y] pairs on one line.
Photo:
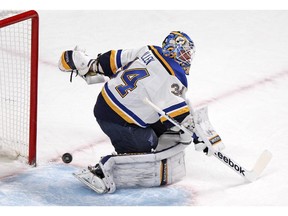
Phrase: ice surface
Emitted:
{"points": [[240, 71], [42, 187]]}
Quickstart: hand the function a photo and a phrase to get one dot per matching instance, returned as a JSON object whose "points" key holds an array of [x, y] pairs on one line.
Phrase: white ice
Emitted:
{"points": [[240, 71]]}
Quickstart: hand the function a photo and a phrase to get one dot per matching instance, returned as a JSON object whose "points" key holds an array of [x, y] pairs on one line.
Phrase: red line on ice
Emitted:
{"points": [[243, 88]]}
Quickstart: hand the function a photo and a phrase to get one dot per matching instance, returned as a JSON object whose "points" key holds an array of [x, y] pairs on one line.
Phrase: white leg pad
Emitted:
{"points": [[145, 170]]}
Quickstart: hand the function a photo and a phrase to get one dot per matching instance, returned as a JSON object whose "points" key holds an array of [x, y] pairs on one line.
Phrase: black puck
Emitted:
{"points": [[67, 158]]}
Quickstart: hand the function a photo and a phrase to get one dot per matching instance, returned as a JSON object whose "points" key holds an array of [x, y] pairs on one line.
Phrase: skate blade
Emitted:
{"points": [[100, 189]]}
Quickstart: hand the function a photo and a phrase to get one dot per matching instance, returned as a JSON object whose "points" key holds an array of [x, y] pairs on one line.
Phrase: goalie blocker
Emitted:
{"points": [[141, 170]]}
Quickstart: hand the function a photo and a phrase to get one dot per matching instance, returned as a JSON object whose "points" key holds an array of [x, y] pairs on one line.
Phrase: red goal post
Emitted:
{"points": [[18, 79]]}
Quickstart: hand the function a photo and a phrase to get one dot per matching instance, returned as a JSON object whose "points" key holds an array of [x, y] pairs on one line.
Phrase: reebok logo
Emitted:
{"points": [[230, 163]]}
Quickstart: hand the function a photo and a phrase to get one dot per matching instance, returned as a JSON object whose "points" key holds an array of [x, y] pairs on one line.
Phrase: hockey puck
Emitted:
{"points": [[67, 158]]}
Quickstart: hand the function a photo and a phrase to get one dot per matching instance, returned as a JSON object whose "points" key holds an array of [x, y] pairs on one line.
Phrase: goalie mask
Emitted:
{"points": [[180, 47]]}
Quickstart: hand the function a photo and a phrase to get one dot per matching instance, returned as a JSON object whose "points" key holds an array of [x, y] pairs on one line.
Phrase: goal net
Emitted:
{"points": [[18, 84]]}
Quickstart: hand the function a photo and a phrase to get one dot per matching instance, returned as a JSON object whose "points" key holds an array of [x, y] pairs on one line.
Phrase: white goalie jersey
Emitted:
{"points": [[136, 75]]}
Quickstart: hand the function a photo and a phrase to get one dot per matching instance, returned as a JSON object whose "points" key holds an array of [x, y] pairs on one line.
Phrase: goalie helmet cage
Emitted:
{"points": [[18, 84]]}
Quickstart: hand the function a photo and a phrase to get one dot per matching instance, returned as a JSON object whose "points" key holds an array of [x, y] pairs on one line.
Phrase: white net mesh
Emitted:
{"points": [[8, 13], [15, 52]]}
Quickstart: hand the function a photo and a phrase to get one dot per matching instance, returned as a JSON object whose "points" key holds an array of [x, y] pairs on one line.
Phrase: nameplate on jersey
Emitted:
{"points": [[147, 57]]}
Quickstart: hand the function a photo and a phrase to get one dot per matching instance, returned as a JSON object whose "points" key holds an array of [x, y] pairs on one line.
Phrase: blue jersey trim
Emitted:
{"points": [[175, 107], [118, 58], [178, 70]]}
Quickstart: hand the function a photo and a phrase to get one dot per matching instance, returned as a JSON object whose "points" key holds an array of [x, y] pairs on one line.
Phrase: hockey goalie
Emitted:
{"points": [[149, 148]]}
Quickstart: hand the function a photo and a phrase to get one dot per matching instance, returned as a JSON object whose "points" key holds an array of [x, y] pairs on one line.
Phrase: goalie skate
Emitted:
{"points": [[91, 180]]}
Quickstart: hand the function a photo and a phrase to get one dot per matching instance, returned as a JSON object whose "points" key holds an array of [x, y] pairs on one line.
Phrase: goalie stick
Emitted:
{"points": [[250, 175]]}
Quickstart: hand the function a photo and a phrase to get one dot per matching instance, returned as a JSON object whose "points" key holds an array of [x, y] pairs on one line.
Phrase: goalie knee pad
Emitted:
{"points": [[147, 170], [172, 138], [167, 140]]}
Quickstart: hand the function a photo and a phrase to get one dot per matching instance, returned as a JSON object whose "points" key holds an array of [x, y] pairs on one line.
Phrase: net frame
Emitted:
{"points": [[32, 17]]}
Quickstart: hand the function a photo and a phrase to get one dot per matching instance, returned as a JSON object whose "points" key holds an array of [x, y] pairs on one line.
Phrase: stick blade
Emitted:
{"points": [[260, 165]]}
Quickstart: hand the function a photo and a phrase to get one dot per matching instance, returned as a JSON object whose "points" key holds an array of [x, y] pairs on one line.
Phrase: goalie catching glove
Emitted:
{"points": [[78, 61]]}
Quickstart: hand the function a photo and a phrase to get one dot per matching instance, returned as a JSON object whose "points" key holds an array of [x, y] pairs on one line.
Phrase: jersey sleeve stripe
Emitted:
{"points": [[162, 60], [175, 107], [120, 109], [176, 113], [115, 60], [118, 59], [112, 61], [176, 110]]}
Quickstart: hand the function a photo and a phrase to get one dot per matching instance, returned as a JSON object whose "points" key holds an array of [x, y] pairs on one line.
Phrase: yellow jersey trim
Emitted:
{"points": [[175, 113], [112, 61], [115, 108]]}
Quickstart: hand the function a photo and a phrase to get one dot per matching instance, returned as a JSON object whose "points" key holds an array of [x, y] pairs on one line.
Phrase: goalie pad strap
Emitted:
{"points": [[163, 172]]}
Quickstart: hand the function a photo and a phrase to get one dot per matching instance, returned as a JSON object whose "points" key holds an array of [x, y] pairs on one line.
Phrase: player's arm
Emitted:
{"points": [[93, 69], [109, 62]]}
